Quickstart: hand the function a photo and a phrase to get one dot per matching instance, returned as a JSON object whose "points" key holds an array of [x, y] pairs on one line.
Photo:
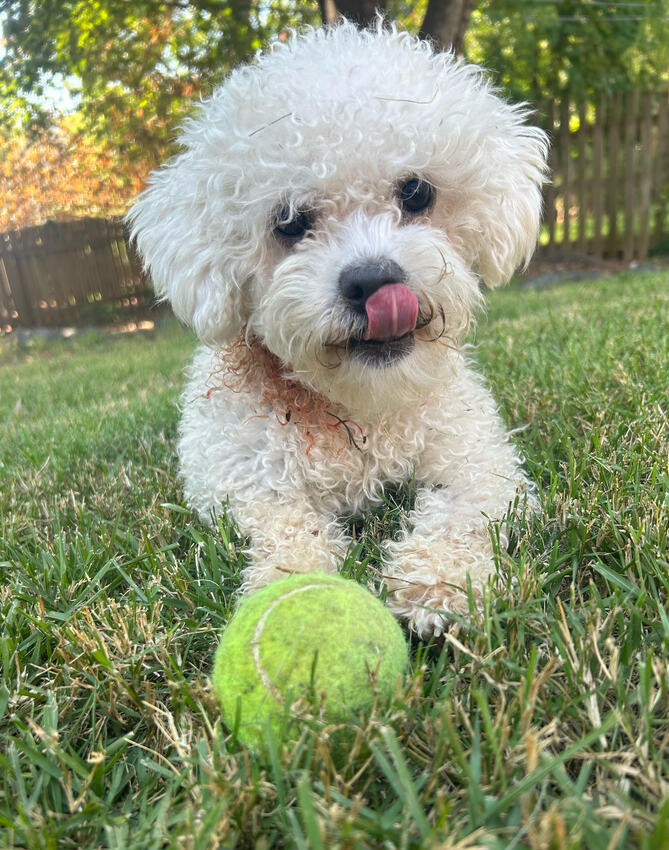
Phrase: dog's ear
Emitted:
{"points": [[510, 201], [169, 223]]}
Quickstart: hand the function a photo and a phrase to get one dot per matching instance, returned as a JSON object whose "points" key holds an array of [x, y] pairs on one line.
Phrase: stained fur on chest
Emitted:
{"points": [[247, 367]]}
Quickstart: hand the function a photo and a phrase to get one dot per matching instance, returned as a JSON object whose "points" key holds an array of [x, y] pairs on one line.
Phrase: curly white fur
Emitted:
{"points": [[333, 122]]}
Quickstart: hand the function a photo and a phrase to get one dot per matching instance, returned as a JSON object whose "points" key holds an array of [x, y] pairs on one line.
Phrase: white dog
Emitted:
{"points": [[325, 232]]}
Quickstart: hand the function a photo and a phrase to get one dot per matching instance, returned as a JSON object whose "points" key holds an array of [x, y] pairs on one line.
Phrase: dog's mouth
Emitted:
{"points": [[381, 352], [355, 342], [390, 351], [391, 314]]}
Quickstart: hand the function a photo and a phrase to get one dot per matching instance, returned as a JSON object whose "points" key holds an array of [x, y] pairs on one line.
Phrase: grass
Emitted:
{"points": [[543, 725]]}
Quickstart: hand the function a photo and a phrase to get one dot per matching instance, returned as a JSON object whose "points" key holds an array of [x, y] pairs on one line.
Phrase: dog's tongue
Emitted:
{"points": [[391, 312]]}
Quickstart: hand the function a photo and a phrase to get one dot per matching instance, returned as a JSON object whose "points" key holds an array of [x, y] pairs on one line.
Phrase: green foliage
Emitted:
{"points": [[538, 48], [133, 66]]}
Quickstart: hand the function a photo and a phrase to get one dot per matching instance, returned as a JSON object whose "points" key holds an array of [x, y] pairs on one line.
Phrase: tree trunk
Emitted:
{"points": [[446, 22], [363, 12]]}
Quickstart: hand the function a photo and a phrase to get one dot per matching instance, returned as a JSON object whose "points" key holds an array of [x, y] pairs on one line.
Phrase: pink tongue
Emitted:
{"points": [[391, 312]]}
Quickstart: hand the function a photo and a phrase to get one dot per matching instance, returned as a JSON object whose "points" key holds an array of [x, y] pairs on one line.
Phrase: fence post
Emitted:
{"points": [[17, 283], [583, 132], [646, 169], [565, 138], [631, 115], [661, 163], [550, 191], [597, 180], [612, 187]]}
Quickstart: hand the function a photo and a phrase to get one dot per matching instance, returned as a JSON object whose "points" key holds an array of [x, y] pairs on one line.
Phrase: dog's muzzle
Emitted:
{"points": [[376, 292]]}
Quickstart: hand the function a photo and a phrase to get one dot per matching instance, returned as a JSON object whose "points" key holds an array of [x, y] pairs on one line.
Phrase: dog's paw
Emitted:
{"points": [[295, 551], [428, 579], [430, 609]]}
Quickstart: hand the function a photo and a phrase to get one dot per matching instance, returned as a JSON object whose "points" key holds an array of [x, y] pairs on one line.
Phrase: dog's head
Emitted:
{"points": [[342, 199]]}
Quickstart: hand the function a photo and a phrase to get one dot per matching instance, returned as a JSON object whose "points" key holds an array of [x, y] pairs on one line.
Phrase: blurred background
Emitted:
{"points": [[92, 93], [543, 723]]}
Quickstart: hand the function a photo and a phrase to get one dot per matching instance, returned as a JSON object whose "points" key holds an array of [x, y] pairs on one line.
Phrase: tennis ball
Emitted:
{"points": [[309, 635]]}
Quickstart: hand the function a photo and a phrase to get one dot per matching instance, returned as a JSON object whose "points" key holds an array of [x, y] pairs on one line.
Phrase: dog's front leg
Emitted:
{"points": [[286, 536], [447, 540]]}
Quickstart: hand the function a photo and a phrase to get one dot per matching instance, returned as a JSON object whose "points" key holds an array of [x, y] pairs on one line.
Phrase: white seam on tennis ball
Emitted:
{"points": [[257, 634]]}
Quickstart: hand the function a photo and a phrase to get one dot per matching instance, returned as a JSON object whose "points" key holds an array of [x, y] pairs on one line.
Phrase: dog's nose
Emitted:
{"points": [[357, 283]]}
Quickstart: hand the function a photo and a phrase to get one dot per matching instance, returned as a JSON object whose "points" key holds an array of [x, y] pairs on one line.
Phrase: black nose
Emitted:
{"points": [[357, 283]]}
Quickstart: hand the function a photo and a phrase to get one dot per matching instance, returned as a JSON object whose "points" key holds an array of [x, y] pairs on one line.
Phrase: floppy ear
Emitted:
{"points": [[170, 224], [510, 205]]}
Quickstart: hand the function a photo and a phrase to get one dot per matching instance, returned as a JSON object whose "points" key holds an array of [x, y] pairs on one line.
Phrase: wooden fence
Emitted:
{"points": [[610, 169], [69, 273]]}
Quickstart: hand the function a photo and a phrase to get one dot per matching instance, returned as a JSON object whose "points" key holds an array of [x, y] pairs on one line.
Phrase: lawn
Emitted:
{"points": [[545, 724]]}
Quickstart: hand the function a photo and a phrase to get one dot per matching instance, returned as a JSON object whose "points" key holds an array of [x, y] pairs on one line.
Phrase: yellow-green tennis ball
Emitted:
{"points": [[312, 635]]}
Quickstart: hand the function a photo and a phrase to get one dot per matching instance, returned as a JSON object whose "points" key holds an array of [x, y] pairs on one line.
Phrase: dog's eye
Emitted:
{"points": [[292, 226], [416, 195]]}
